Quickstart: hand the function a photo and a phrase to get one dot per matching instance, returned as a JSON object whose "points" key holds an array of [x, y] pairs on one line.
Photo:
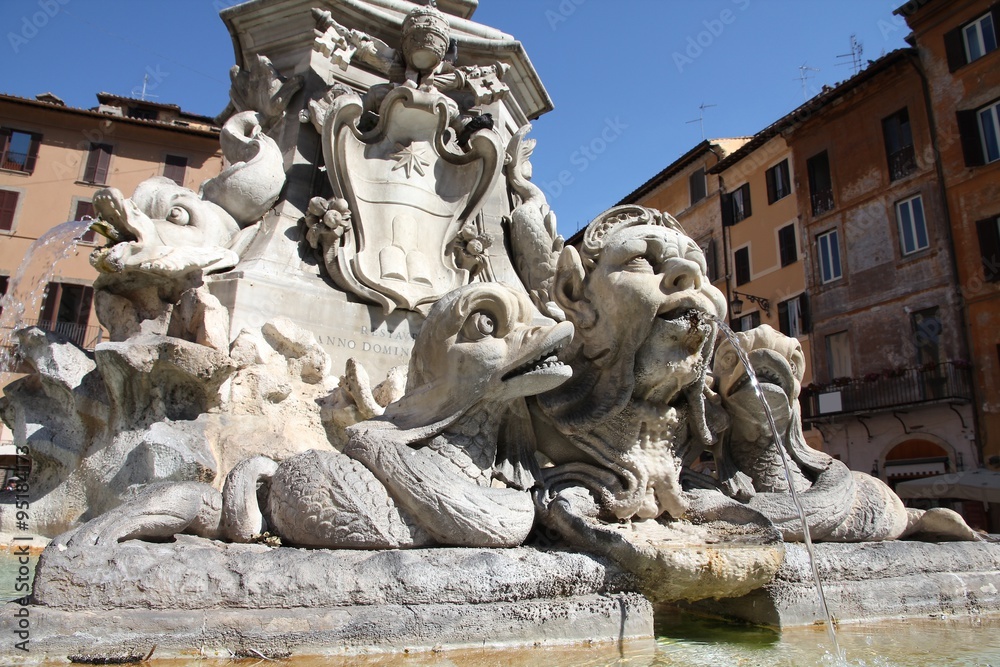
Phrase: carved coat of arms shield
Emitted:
{"points": [[410, 188]]}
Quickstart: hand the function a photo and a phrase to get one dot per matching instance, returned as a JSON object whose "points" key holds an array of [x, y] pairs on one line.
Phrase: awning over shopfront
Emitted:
{"points": [[980, 484]]}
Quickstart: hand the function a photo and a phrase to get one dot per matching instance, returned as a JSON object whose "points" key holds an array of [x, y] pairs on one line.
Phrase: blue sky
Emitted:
{"points": [[626, 76]]}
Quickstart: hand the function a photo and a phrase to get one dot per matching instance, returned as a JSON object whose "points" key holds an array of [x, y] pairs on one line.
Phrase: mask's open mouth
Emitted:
{"points": [[543, 366]]}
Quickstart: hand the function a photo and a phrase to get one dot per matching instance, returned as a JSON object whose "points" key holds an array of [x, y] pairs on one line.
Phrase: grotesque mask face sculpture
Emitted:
{"points": [[651, 295], [643, 307]]}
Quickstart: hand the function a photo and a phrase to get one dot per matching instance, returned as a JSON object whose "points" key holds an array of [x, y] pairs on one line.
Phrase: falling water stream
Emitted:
{"points": [[825, 611], [27, 287]]}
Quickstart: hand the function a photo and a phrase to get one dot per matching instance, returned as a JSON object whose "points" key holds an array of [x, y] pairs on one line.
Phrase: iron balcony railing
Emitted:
{"points": [[902, 162], [86, 337], [948, 381], [14, 161], [822, 202]]}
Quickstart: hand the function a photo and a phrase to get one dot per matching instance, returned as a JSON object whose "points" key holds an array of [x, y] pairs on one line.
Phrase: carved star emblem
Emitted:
{"points": [[411, 159]]}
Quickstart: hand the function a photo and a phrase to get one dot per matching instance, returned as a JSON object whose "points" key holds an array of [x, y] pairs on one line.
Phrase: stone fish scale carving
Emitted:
{"points": [[450, 459], [420, 474]]}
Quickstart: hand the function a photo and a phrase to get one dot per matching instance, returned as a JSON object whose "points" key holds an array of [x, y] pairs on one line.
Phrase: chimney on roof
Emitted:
{"points": [[51, 98]]}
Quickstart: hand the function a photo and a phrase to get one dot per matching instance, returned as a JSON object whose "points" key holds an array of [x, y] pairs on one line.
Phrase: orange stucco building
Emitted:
{"points": [[689, 190], [53, 158]]}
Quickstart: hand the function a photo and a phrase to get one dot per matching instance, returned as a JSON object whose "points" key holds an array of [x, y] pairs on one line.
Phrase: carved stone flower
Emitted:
{"points": [[472, 245], [326, 221]]}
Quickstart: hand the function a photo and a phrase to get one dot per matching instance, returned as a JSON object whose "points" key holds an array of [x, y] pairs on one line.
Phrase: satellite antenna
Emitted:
{"points": [[855, 55], [803, 77], [701, 118]]}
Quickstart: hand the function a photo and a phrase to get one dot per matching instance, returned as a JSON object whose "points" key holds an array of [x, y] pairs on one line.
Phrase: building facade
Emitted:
{"points": [[893, 394], [689, 190], [53, 158], [957, 44]]}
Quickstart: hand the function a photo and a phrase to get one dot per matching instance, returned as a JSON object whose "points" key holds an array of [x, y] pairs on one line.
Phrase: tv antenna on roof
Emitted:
{"points": [[701, 118], [855, 55], [143, 95], [803, 77]]}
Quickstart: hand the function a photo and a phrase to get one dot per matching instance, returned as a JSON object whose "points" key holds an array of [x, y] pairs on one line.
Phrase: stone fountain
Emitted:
{"points": [[359, 395]]}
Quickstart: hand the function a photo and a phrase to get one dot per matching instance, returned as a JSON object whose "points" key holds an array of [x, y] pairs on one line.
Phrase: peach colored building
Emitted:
{"points": [[762, 238], [957, 41], [688, 190], [52, 160]]}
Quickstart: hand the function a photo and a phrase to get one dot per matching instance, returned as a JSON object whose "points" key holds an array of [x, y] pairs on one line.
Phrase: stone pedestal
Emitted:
{"points": [[200, 596], [874, 581]]}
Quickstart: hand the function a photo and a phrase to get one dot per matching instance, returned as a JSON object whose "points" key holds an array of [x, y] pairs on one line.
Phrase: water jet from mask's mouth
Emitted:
{"points": [[807, 539]]}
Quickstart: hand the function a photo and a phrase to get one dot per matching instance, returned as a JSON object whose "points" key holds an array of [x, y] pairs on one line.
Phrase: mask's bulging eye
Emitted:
{"points": [[480, 324], [640, 264], [178, 215]]}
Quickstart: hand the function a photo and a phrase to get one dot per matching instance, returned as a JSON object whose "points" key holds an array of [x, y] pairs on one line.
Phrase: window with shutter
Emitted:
{"points": [[98, 162], [712, 271], [174, 168], [973, 40], [979, 38], [989, 247], [741, 203], [697, 185], [779, 184], [18, 150], [85, 211], [66, 310], [748, 321], [726, 201], [8, 207], [741, 260], [787, 247]]}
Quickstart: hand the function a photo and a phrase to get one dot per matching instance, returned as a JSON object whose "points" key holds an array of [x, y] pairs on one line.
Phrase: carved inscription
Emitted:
{"points": [[376, 341]]}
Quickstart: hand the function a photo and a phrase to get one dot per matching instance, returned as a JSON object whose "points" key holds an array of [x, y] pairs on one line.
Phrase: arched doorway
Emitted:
{"points": [[916, 458]]}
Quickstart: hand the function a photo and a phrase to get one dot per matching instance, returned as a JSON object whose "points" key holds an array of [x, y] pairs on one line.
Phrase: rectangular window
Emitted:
{"points": [[747, 322], [980, 38], [793, 316], [8, 207], [741, 260], [85, 210], [829, 256], [18, 150], [697, 185], [973, 40], [926, 325], [820, 183], [838, 355], [174, 167], [787, 247], [898, 138], [989, 132], [989, 247], [98, 162], [741, 203], [711, 263], [912, 226], [779, 185], [66, 310]]}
